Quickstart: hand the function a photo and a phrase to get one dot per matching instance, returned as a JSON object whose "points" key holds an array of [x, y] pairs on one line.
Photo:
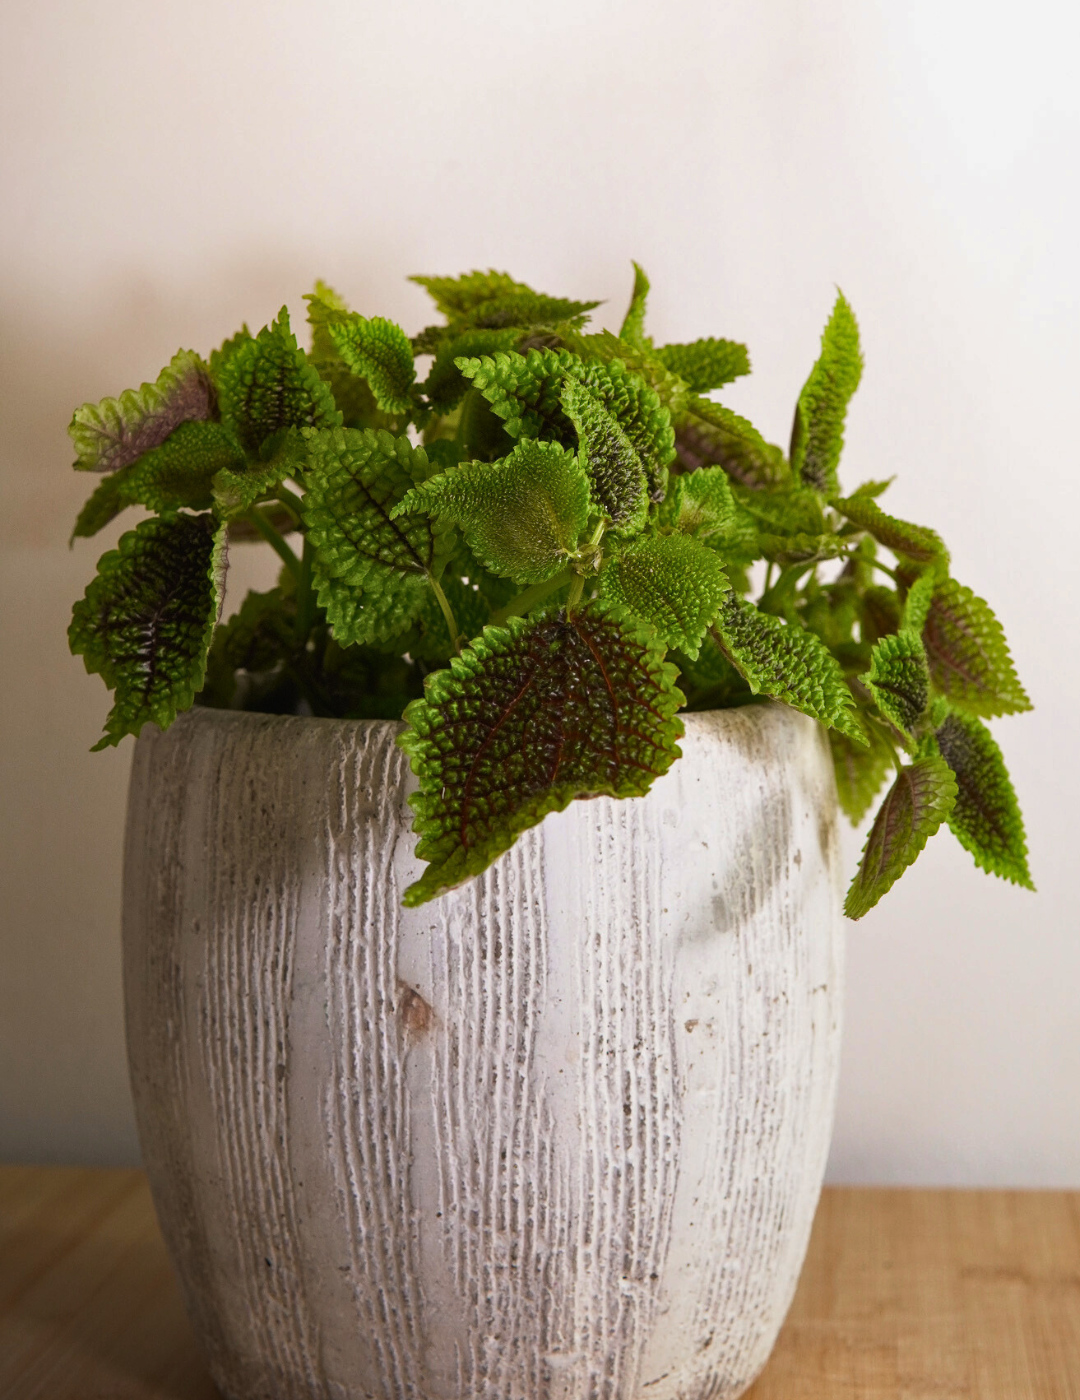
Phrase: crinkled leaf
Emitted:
{"points": [[670, 581], [817, 436], [786, 662], [351, 393], [266, 383], [879, 612], [860, 770], [705, 364], [522, 516], [914, 807], [370, 570], [986, 818], [529, 717], [238, 487], [113, 433], [378, 351], [637, 356], [525, 309], [455, 297], [788, 510], [146, 621], [708, 435], [700, 504], [177, 474], [802, 549], [918, 598], [608, 455], [445, 385], [526, 392], [633, 326], [915, 541], [969, 657], [899, 679]]}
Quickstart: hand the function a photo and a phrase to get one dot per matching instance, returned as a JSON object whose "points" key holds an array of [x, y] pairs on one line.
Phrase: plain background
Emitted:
{"points": [[169, 171]]}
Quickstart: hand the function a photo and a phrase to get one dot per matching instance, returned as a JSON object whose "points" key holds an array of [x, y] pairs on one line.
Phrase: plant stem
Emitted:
{"points": [[447, 612], [305, 597], [292, 503], [577, 587], [877, 564], [525, 602], [275, 540]]}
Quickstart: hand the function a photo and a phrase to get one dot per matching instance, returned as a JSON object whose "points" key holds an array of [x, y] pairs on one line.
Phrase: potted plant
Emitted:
{"points": [[540, 1107]]}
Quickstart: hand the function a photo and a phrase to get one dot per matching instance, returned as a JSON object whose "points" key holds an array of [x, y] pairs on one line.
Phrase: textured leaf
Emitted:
{"points": [[707, 435], [899, 679], [455, 297], [969, 657], [670, 581], [522, 517], [113, 433], [782, 660], [146, 621], [527, 718], [525, 309], [879, 613], [238, 487], [613, 466], [636, 356], [786, 510], [918, 598], [430, 636], [633, 326], [700, 504], [380, 352], [351, 393], [915, 541], [177, 474], [445, 385], [986, 819], [371, 571], [266, 383], [818, 433], [802, 549], [860, 770], [914, 807], [705, 364]]}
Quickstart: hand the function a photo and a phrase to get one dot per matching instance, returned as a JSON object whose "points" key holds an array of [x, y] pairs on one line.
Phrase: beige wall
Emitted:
{"points": [[170, 171]]}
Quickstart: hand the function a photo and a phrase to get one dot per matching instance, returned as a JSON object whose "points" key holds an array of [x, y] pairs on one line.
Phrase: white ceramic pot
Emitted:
{"points": [[559, 1134]]}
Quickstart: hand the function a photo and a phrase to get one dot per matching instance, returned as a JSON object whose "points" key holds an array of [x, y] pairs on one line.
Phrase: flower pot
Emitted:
{"points": [[560, 1133]]}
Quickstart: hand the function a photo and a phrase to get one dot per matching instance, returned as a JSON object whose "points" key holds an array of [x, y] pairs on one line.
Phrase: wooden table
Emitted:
{"points": [[917, 1295]]}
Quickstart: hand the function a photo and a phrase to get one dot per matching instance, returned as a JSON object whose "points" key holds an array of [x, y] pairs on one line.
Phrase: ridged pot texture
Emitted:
{"points": [[558, 1135]]}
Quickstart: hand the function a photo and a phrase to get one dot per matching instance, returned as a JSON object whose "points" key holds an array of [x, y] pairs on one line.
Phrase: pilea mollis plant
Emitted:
{"points": [[538, 545]]}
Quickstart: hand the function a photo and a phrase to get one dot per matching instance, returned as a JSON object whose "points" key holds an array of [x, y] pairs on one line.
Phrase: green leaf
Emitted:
{"points": [[986, 819], [879, 613], [705, 364], [351, 394], [802, 549], [430, 639], [969, 657], [177, 474], [238, 487], [899, 679], [782, 660], [700, 504], [786, 510], [860, 770], [707, 435], [633, 326], [636, 356], [915, 541], [917, 601], [380, 352], [817, 436], [455, 297], [111, 434], [267, 383], [146, 621], [370, 570], [609, 457], [670, 581], [914, 807], [526, 309], [526, 392], [445, 385], [522, 517], [529, 717]]}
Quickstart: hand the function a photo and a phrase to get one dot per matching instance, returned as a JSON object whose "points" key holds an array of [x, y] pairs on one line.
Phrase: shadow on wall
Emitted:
{"points": [[63, 1080]]}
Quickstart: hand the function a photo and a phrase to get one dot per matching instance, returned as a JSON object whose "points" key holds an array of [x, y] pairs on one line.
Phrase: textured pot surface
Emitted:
{"points": [[558, 1134]]}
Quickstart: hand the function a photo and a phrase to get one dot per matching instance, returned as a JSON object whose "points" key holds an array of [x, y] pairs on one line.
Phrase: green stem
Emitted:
{"points": [[877, 564], [447, 612], [577, 587], [275, 540], [292, 503], [305, 596], [525, 602]]}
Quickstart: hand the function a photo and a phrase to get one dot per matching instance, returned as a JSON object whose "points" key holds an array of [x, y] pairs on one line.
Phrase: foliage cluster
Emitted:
{"points": [[538, 547]]}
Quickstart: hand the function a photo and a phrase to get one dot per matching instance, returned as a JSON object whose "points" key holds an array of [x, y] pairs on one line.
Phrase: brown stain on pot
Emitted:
{"points": [[416, 1014]]}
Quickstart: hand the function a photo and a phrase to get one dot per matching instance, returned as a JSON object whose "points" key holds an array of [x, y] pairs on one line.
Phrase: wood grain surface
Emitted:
{"points": [[906, 1295]]}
